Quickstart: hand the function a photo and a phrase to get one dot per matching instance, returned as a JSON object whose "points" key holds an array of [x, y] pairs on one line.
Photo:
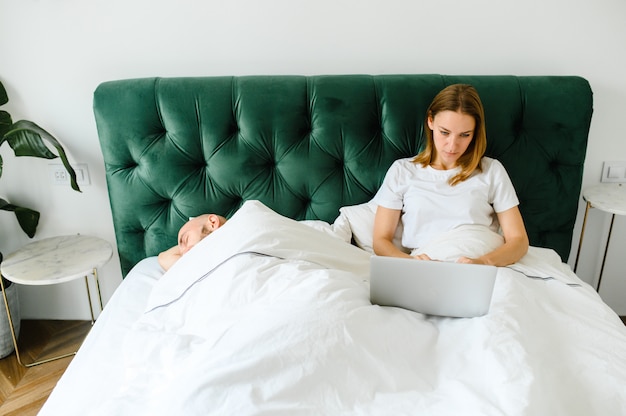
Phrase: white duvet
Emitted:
{"points": [[269, 316]]}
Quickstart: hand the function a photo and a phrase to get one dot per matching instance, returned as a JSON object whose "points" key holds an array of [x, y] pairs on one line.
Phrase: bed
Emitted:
{"points": [[270, 314]]}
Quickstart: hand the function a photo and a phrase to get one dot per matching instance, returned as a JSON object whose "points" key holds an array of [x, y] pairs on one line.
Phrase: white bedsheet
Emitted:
{"points": [[268, 316]]}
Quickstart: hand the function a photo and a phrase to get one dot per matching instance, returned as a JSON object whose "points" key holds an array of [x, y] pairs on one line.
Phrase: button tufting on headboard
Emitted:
{"points": [[305, 146]]}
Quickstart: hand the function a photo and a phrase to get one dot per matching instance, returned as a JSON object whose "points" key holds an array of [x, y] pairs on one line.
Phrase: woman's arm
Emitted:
{"points": [[385, 224], [515, 241]]}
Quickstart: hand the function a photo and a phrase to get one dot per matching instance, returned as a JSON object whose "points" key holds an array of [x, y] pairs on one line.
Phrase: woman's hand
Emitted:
{"points": [[467, 260], [515, 240], [422, 256]]}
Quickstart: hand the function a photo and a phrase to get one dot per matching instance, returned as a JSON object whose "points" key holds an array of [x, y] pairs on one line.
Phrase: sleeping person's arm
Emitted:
{"points": [[168, 257]]}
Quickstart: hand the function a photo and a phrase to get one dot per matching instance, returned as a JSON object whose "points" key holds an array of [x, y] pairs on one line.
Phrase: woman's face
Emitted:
{"points": [[452, 134]]}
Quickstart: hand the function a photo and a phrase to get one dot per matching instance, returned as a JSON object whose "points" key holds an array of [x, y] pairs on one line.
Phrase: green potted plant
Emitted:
{"points": [[26, 139]]}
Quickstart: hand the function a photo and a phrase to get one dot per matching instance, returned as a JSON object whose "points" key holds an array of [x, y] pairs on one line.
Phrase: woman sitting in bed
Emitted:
{"points": [[449, 184], [189, 235]]}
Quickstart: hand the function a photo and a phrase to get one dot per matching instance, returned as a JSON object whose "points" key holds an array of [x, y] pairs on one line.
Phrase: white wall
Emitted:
{"points": [[54, 53]]}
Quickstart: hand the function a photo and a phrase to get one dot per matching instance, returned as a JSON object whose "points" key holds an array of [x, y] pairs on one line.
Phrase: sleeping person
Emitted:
{"points": [[190, 234], [450, 184]]}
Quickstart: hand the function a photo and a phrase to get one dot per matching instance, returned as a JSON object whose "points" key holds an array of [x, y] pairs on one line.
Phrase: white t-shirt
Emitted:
{"points": [[430, 206]]}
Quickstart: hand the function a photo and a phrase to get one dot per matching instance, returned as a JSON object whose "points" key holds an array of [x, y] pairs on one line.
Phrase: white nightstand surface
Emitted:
{"points": [[607, 197], [56, 260]]}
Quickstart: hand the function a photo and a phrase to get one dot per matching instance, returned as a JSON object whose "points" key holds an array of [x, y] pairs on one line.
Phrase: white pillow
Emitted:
{"points": [[360, 220], [342, 233]]}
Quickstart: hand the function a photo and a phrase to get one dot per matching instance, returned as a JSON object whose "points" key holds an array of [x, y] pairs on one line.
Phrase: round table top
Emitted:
{"points": [[608, 197], [56, 260]]}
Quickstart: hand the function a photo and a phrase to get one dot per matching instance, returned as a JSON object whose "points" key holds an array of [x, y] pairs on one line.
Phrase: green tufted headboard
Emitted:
{"points": [[305, 146]]}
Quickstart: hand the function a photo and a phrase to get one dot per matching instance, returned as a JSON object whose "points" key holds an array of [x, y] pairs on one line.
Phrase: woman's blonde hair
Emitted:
{"points": [[461, 98]]}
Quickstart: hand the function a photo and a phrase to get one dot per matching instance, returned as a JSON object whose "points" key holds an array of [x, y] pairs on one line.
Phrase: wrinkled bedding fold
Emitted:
{"points": [[273, 317]]}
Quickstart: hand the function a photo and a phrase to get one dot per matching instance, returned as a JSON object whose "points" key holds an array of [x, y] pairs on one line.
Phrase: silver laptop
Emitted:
{"points": [[432, 287]]}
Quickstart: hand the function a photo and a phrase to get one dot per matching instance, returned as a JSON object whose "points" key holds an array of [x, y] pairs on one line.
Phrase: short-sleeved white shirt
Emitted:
{"points": [[431, 206]]}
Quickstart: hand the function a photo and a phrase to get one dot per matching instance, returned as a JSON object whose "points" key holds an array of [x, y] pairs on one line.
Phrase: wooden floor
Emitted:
{"points": [[24, 390]]}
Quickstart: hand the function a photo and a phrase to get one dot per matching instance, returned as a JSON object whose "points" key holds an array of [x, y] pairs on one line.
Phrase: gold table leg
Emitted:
{"points": [[17, 351], [582, 233], [95, 276], [606, 248], [47, 360]]}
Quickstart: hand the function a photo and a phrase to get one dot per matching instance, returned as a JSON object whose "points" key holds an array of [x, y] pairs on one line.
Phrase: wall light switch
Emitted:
{"points": [[614, 172]]}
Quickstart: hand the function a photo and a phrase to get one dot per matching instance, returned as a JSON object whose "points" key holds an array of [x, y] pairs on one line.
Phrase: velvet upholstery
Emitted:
{"points": [[305, 146]]}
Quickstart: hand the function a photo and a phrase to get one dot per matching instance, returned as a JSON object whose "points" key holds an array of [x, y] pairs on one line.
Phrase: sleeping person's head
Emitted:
{"points": [[190, 234], [196, 229]]}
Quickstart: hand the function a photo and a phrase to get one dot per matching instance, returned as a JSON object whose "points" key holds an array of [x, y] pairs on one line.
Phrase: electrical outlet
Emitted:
{"points": [[614, 172], [59, 176]]}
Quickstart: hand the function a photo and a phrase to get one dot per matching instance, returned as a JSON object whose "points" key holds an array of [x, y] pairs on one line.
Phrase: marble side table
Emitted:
{"points": [[609, 198], [56, 260]]}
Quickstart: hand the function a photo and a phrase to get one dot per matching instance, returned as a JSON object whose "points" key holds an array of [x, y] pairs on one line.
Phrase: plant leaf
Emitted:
{"points": [[27, 142], [5, 124], [4, 98], [26, 217], [26, 139]]}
